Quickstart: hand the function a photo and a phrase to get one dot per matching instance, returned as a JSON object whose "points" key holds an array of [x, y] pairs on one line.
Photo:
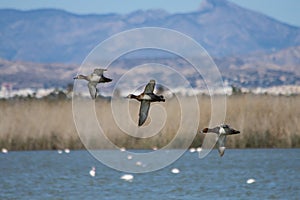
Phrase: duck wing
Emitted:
{"points": [[221, 144], [93, 90], [104, 79], [144, 109], [150, 87], [98, 74], [99, 71]]}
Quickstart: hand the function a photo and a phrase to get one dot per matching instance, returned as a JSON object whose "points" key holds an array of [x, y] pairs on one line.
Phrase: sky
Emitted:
{"points": [[287, 11]]}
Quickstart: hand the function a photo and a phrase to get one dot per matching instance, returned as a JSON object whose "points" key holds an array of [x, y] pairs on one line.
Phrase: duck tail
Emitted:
{"points": [[105, 79]]}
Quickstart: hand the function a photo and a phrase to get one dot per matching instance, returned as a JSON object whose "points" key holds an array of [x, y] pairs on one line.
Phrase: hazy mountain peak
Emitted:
{"points": [[141, 16], [212, 4], [220, 26]]}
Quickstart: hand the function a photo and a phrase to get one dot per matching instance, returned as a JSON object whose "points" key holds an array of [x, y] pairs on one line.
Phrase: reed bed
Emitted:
{"points": [[264, 121]]}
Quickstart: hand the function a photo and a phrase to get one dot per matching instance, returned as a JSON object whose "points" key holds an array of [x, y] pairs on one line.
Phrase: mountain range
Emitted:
{"points": [[250, 48], [255, 70], [221, 27]]}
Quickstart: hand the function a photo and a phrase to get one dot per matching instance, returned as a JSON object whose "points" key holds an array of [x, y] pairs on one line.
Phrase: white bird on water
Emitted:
{"points": [[122, 149], [138, 163], [93, 172], [4, 150], [175, 171], [251, 180], [59, 151], [127, 177]]}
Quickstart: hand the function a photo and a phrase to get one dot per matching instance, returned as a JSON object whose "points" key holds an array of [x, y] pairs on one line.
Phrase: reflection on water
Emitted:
{"points": [[50, 175]]}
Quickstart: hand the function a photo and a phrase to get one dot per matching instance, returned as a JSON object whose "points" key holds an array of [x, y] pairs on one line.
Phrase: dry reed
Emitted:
{"points": [[264, 121]]}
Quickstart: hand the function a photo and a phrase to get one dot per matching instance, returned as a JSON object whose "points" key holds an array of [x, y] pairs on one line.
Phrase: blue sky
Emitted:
{"points": [[287, 11]]}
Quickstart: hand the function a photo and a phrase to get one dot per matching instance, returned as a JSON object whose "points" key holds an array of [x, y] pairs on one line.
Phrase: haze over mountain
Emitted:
{"points": [[44, 48], [221, 27]]}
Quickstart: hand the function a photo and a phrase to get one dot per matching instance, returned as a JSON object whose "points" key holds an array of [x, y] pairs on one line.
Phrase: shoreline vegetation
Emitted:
{"points": [[265, 121]]}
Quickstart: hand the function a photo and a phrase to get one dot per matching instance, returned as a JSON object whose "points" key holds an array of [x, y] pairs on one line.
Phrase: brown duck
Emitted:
{"points": [[222, 131], [93, 79], [146, 98]]}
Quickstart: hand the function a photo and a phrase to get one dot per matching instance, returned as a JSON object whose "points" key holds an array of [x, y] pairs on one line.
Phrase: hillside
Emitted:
{"points": [[256, 70], [56, 36]]}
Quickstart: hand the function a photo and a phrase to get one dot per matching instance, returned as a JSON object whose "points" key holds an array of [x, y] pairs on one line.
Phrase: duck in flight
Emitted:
{"points": [[146, 98], [222, 131], [93, 79]]}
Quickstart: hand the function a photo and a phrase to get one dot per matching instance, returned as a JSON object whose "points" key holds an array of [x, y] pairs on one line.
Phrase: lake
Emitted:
{"points": [[50, 175]]}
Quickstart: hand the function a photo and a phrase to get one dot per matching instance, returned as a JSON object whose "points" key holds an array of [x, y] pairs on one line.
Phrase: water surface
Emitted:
{"points": [[49, 175]]}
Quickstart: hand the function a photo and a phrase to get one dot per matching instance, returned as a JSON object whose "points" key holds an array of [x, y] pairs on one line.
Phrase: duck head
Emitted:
{"points": [[205, 130]]}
